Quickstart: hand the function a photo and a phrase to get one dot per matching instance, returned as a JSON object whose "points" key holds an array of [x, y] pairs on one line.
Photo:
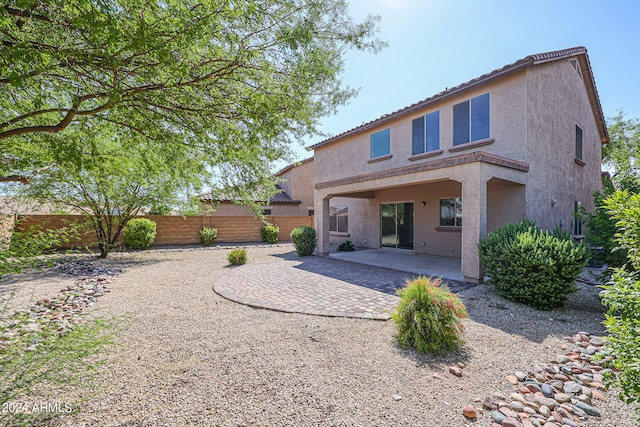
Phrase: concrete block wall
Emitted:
{"points": [[177, 230]]}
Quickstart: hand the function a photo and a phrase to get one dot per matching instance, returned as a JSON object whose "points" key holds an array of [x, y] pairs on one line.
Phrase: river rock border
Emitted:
{"points": [[63, 310], [561, 393]]}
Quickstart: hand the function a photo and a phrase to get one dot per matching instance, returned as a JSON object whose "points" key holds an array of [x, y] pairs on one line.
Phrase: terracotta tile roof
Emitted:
{"points": [[505, 70], [280, 198]]}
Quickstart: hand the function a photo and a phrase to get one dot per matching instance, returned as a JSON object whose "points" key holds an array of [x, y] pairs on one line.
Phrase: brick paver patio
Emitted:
{"points": [[317, 286]]}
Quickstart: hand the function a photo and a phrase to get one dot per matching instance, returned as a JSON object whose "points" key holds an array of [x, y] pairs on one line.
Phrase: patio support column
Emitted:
{"points": [[322, 224], [474, 223]]}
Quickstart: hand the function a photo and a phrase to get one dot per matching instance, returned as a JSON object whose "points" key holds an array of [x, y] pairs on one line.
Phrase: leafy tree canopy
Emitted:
{"points": [[118, 174], [235, 80], [622, 153]]}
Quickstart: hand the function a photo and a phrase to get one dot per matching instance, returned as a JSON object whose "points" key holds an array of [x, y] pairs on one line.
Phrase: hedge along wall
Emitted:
{"points": [[177, 230]]}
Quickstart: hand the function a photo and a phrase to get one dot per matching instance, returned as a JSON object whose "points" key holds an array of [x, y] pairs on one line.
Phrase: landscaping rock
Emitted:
{"points": [[455, 371], [512, 379], [588, 409], [557, 394], [547, 390], [490, 403], [469, 411], [511, 422], [498, 417], [63, 310]]}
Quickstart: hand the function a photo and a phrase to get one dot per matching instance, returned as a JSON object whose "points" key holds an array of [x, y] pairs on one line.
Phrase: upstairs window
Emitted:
{"points": [[339, 219], [471, 120], [578, 142], [426, 133], [451, 212], [381, 143]]}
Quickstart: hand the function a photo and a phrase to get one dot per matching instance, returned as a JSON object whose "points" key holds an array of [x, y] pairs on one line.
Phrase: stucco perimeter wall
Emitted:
{"points": [[349, 156], [557, 101], [176, 230]]}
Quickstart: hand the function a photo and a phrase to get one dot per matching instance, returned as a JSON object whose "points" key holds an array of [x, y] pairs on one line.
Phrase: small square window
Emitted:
{"points": [[381, 143], [266, 211], [339, 219], [451, 212], [311, 212]]}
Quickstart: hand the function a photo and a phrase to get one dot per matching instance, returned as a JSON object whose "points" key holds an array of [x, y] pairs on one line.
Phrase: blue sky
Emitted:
{"points": [[434, 44]]}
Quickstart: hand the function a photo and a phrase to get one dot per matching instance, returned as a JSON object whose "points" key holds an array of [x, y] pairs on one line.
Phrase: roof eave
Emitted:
{"points": [[528, 61], [444, 95]]}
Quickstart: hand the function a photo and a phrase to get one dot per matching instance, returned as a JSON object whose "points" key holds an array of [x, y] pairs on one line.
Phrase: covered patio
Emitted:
{"points": [[404, 209], [427, 265]]}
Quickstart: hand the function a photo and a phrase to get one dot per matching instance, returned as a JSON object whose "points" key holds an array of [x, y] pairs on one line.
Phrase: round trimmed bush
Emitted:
{"points": [[532, 266], [269, 233], [237, 257], [304, 240], [139, 233], [208, 235], [428, 316]]}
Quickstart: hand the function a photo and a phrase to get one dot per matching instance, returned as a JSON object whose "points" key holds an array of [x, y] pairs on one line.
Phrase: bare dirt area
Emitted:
{"points": [[186, 356]]}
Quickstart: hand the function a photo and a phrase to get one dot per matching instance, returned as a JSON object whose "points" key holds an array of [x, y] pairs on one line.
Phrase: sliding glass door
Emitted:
{"points": [[396, 225]]}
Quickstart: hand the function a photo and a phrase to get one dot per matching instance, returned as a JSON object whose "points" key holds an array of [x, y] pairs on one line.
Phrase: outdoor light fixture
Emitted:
{"points": [[423, 204]]}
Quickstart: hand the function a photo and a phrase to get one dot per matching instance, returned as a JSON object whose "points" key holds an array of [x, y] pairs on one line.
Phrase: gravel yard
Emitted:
{"points": [[187, 356]]}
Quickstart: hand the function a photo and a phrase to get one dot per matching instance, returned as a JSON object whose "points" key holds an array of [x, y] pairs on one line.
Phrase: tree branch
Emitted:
{"points": [[25, 179]]}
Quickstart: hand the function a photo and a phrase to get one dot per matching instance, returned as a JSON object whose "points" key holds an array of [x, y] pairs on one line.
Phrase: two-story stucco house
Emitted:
{"points": [[523, 141], [294, 197]]}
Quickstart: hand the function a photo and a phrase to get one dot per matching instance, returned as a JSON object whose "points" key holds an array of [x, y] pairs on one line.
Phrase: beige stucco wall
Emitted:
{"points": [[301, 185], [556, 102], [506, 203], [350, 156]]}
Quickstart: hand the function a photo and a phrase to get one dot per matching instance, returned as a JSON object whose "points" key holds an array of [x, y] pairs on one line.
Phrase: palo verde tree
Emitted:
{"points": [[117, 174], [235, 79]]}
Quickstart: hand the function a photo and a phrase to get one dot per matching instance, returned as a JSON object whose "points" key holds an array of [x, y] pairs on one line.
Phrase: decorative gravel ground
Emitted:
{"points": [[190, 357]]}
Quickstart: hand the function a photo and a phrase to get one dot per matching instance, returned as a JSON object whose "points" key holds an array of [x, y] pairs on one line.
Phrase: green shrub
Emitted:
{"points": [[208, 235], [139, 233], [601, 230], [237, 257], [532, 266], [20, 249], [428, 316], [621, 296], [269, 233], [304, 240], [346, 246]]}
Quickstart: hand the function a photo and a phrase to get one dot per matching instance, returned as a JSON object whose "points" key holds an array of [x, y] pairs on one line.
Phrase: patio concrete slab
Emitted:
{"points": [[323, 286], [425, 265]]}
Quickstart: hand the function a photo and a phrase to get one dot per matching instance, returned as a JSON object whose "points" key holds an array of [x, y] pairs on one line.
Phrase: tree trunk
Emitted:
{"points": [[104, 250]]}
